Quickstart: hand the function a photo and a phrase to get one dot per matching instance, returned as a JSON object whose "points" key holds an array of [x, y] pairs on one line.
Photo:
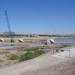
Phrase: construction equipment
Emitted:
{"points": [[9, 28]]}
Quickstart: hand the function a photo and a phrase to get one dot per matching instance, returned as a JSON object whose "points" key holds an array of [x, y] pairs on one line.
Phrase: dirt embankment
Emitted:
{"points": [[64, 68]]}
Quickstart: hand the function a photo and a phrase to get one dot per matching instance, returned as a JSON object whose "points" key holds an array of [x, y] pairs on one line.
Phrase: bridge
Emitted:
{"points": [[25, 39]]}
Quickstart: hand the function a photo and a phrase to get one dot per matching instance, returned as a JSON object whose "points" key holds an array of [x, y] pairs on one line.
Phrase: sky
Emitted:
{"points": [[38, 16]]}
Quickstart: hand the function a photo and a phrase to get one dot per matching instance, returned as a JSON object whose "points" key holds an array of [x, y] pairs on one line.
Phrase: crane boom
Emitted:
{"points": [[8, 24], [9, 28]]}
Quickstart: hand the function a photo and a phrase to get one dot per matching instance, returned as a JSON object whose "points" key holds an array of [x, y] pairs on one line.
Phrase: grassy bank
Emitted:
{"points": [[26, 54]]}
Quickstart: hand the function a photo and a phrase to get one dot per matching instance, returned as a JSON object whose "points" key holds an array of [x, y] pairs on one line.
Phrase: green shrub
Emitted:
{"points": [[39, 52], [31, 54], [12, 57], [27, 55]]}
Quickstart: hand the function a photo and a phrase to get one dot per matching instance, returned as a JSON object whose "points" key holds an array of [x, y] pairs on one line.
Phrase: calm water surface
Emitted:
{"points": [[65, 40]]}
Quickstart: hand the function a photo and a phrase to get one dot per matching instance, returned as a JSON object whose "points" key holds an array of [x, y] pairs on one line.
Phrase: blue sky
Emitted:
{"points": [[38, 16]]}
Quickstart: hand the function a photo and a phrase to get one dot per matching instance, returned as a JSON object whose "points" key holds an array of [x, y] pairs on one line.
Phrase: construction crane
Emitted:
{"points": [[9, 28]]}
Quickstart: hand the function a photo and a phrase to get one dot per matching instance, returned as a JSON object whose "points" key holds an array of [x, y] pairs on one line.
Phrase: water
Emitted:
{"points": [[65, 40]]}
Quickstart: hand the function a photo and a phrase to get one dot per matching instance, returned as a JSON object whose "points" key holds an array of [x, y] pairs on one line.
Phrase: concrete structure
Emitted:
{"points": [[1, 40], [47, 41], [25, 39]]}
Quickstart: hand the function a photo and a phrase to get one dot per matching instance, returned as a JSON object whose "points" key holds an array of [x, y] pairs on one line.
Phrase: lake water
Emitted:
{"points": [[65, 40]]}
